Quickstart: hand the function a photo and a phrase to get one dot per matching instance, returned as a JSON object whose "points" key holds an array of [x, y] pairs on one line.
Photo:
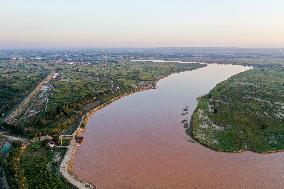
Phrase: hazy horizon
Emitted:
{"points": [[141, 24]]}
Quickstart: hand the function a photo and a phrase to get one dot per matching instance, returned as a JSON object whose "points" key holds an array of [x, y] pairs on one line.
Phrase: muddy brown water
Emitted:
{"points": [[139, 142]]}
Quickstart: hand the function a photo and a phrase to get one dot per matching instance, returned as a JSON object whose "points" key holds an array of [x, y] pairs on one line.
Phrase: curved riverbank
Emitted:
{"points": [[66, 165], [139, 142], [192, 136], [242, 114]]}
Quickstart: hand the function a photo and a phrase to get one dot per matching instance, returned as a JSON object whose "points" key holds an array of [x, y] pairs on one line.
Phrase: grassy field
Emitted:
{"points": [[246, 112]]}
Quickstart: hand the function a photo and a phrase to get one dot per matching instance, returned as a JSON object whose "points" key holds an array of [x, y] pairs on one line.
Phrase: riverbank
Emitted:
{"points": [[242, 114], [78, 89], [205, 144], [127, 143], [66, 165]]}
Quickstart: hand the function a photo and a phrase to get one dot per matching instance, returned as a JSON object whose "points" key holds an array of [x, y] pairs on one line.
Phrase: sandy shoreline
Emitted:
{"points": [[66, 166], [67, 162]]}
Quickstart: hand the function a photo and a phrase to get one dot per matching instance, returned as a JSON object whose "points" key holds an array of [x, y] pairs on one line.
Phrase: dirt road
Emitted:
{"points": [[25, 103]]}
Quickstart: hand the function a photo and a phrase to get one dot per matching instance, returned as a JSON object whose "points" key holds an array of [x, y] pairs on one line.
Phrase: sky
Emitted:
{"points": [[141, 23]]}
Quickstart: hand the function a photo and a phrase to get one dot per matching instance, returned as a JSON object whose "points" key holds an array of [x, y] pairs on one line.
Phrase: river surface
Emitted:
{"points": [[139, 142]]}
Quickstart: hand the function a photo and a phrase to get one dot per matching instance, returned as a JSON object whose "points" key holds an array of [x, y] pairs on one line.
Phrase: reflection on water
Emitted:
{"points": [[139, 142]]}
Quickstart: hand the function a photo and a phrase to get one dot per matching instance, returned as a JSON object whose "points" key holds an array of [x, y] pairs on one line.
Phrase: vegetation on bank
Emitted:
{"points": [[78, 89], [41, 166], [78, 86], [34, 166], [246, 112]]}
